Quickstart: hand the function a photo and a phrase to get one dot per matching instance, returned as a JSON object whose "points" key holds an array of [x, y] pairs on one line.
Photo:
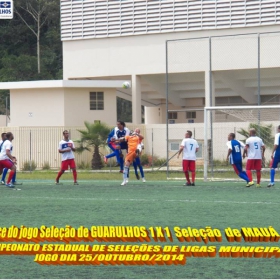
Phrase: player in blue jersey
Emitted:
{"points": [[275, 157], [235, 158], [118, 132]]}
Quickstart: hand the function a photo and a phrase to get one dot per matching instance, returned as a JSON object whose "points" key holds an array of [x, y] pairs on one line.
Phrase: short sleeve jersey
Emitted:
{"points": [[63, 145], [190, 145], [6, 145], [255, 144], [121, 133], [235, 146], [132, 142]]}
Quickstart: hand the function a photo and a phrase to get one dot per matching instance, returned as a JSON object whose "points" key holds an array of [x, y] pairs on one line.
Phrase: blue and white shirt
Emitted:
{"points": [[117, 134], [235, 146], [7, 145], [63, 145]]}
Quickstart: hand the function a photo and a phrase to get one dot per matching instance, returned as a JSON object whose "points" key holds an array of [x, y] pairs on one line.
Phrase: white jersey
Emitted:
{"points": [[7, 145], [190, 145], [63, 145], [254, 150]]}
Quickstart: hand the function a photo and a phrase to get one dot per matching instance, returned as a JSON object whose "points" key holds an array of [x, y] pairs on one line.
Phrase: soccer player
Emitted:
{"points": [[4, 174], [275, 158], [118, 132], [132, 141], [255, 150], [6, 158], [137, 162], [66, 148], [235, 158], [189, 147]]}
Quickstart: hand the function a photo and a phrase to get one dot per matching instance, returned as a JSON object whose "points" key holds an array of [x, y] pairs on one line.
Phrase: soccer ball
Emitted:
{"points": [[126, 85]]}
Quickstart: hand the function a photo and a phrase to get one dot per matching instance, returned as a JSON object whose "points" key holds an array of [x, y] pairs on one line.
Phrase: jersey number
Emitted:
{"points": [[191, 146], [256, 146], [237, 150]]}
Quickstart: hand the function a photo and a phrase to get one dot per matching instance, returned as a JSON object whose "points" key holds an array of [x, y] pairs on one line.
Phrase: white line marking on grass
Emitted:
{"points": [[144, 200]]}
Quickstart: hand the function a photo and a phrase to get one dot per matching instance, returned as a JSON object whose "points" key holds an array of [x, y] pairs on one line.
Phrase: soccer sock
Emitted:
{"points": [[14, 177], [121, 163], [187, 176], [117, 152], [5, 171], [125, 172], [193, 176], [75, 175], [135, 167], [59, 175], [272, 175], [249, 174], [259, 174], [11, 174], [244, 176], [141, 171]]}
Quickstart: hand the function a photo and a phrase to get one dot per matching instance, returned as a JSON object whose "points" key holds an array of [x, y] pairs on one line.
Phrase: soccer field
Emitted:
{"points": [[155, 203]]}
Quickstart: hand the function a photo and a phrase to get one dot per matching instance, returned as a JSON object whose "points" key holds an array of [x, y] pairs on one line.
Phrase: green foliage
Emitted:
{"points": [[46, 166], [92, 138], [263, 131], [83, 165], [18, 48], [29, 165], [148, 160]]}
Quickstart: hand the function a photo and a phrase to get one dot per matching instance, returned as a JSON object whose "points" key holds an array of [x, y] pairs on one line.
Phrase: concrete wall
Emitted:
{"points": [[59, 107], [145, 54], [77, 107], [37, 107]]}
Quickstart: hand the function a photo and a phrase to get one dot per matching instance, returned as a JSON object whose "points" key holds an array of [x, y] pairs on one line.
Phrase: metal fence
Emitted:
{"points": [[234, 70]]}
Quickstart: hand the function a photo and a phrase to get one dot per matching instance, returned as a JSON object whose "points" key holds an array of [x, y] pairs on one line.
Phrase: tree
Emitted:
{"points": [[39, 10], [92, 138]]}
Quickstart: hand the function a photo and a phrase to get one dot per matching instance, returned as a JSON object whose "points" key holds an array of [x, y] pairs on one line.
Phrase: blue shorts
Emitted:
{"points": [[275, 162]]}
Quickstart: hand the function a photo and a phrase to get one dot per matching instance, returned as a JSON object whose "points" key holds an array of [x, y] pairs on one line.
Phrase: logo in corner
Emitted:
{"points": [[6, 10]]}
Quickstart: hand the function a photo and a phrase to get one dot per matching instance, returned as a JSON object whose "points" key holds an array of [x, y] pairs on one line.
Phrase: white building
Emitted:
{"points": [[114, 41]]}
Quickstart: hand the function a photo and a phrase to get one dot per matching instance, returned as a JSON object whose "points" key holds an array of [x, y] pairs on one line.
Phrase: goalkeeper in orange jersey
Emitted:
{"points": [[133, 141]]}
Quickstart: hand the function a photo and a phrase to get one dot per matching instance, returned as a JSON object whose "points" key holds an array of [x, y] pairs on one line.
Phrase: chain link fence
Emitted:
{"points": [[234, 70]]}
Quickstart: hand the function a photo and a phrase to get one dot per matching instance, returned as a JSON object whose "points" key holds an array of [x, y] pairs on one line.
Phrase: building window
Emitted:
{"points": [[174, 146], [172, 115], [191, 115], [96, 100]]}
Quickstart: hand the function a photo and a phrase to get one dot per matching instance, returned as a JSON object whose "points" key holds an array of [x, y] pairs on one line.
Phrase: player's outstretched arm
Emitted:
{"points": [[180, 151]]}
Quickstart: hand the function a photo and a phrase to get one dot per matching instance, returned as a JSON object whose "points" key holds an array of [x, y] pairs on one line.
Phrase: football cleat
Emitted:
{"points": [[105, 160], [76, 183], [124, 183], [187, 184], [121, 171], [57, 182], [137, 176], [3, 183], [258, 185], [270, 185], [10, 185], [143, 180], [249, 184], [193, 184]]}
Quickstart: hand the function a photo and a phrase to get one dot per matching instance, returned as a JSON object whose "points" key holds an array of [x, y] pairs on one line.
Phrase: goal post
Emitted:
{"points": [[219, 121]]}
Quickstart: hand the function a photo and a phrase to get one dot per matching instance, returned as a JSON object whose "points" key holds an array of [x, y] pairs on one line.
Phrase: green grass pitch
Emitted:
{"points": [[154, 203]]}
